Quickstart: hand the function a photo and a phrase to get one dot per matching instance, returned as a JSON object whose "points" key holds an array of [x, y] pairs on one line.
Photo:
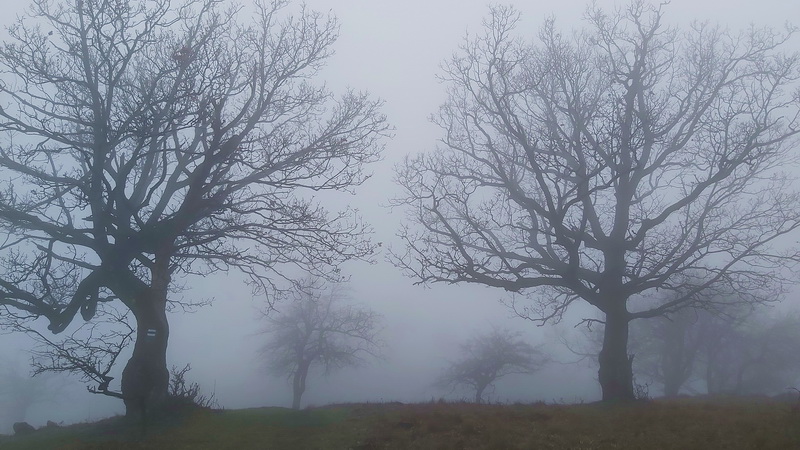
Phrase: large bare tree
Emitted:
{"points": [[599, 165], [317, 329], [143, 142]]}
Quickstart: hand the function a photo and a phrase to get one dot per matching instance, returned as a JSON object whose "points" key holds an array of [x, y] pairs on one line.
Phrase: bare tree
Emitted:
{"points": [[668, 348], [756, 356], [603, 164], [486, 358], [316, 329], [144, 142]]}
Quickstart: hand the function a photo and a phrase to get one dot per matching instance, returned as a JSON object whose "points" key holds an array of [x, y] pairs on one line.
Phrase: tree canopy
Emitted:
{"points": [[603, 164], [145, 141], [485, 358], [318, 330]]}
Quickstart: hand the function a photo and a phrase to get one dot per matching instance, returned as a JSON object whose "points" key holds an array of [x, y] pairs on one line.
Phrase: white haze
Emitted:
{"points": [[392, 49]]}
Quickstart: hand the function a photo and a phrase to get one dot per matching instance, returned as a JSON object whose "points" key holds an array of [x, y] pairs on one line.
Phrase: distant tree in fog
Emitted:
{"points": [[667, 348], [20, 390], [486, 358], [730, 351], [755, 356], [736, 350], [605, 164], [143, 142], [317, 329]]}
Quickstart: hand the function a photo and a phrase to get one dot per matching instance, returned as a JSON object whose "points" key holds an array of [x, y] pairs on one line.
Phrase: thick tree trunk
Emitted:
{"points": [[683, 342], [673, 363], [145, 379], [479, 394], [616, 367], [297, 394], [299, 384]]}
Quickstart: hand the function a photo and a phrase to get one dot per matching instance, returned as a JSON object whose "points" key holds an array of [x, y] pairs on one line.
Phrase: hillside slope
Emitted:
{"points": [[669, 424]]}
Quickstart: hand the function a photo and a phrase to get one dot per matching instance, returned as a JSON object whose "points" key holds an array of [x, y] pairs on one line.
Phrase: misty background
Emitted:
{"points": [[392, 50]]}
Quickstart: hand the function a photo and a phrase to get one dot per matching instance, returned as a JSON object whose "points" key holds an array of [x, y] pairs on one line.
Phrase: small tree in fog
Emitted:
{"points": [[488, 357], [317, 329]]}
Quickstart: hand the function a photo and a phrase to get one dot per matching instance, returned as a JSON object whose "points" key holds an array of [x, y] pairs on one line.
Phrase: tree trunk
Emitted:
{"points": [[297, 394], [299, 384], [616, 371], [717, 374], [145, 379], [674, 370], [479, 394], [673, 361], [710, 385]]}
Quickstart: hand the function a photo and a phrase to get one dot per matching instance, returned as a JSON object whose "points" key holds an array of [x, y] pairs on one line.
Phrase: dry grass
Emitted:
{"points": [[675, 424], [691, 423]]}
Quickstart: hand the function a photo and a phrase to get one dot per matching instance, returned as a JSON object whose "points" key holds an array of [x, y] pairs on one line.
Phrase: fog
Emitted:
{"points": [[393, 49]]}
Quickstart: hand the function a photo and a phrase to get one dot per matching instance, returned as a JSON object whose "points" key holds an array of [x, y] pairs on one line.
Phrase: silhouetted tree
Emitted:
{"points": [[144, 141], [486, 358], [603, 164], [316, 329]]}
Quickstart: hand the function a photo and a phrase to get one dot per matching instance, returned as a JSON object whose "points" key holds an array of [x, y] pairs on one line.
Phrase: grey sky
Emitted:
{"points": [[393, 50]]}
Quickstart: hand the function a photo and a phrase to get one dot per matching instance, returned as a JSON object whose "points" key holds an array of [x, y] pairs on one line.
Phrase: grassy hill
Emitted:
{"points": [[752, 423]]}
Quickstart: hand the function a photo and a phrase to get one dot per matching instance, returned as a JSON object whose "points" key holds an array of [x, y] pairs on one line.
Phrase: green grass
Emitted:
{"points": [[669, 424]]}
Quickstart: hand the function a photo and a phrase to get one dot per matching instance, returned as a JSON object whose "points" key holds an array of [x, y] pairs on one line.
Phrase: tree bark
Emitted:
{"points": [[479, 394], [674, 360], [616, 366], [299, 384], [145, 379]]}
